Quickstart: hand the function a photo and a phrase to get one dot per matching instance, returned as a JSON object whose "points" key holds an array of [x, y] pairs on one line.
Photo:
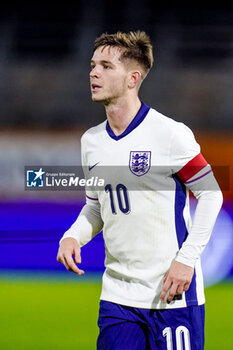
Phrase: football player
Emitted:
{"points": [[152, 293]]}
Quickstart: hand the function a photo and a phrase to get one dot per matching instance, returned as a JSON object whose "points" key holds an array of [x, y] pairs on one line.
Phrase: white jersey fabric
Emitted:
{"points": [[143, 206]]}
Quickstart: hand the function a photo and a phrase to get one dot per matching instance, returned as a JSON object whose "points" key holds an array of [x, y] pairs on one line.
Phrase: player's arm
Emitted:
{"points": [[87, 225], [180, 274], [198, 177]]}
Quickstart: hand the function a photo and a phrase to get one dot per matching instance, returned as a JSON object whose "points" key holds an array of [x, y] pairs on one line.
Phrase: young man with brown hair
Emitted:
{"points": [[152, 293]]}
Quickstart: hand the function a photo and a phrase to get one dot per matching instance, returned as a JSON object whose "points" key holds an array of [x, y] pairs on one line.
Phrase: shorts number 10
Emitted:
{"points": [[182, 338]]}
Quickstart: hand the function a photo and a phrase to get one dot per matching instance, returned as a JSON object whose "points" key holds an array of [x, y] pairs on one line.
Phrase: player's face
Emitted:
{"points": [[108, 76]]}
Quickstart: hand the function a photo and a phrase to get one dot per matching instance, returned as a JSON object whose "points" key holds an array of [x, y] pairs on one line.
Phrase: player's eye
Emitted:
{"points": [[106, 66], [92, 66]]}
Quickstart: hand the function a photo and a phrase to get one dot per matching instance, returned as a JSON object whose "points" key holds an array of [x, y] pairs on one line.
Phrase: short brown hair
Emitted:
{"points": [[137, 47]]}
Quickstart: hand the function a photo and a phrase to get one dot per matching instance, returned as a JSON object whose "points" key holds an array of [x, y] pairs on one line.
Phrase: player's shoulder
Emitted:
{"points": [[169, 124], [94, 132], [158, 117]]}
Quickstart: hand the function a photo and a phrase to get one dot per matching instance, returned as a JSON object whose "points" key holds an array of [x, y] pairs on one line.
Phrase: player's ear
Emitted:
{"points": [[135, 78]]}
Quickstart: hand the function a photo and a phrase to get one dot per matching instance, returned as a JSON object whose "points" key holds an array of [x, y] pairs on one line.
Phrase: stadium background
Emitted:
{"points": [[45, 107]]}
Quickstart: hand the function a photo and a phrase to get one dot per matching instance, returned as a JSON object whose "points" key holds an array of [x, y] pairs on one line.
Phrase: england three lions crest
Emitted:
{"points": [[139, 162]]}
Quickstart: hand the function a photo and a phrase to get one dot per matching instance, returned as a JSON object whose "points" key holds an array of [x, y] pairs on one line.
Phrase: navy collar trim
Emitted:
{"points": [[140, 116]]}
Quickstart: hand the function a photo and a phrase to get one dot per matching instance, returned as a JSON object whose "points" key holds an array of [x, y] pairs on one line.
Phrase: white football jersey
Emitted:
{"points": [[144, 205]]}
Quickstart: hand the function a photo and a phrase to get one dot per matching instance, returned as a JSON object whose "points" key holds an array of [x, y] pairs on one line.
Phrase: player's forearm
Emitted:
{"points": [[208, 207], [87, 225]]}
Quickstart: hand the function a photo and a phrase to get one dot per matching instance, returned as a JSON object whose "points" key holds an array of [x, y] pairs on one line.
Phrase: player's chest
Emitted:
{"points": [[131, 161], [129, 152]]}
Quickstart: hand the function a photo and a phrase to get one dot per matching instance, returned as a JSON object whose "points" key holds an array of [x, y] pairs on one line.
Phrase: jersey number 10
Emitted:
{"points": [[122, 198]]}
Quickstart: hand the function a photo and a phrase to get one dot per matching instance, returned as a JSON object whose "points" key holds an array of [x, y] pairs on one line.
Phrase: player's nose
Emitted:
{"points": [[95, 72]]}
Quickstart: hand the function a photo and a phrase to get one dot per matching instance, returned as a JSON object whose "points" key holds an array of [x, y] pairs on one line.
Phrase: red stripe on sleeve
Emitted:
{"points": [[192, 167]]}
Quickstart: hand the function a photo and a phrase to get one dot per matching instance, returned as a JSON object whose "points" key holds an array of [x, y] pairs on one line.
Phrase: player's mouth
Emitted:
{"points": [[95, 87]]}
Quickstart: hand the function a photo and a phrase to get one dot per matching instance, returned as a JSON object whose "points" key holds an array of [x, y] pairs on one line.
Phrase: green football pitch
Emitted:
{"points": [[56, 314]]}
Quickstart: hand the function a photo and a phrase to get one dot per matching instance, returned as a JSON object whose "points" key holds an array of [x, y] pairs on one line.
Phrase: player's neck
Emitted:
{"points": [[121, 114]]}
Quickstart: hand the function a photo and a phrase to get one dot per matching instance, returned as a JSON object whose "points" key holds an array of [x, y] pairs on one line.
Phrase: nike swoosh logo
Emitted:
{"points": [[91, 167]]}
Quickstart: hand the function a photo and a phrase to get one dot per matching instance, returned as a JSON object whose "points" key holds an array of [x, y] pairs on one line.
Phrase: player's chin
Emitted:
{"points": [[99, 99], [95, 97]]}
